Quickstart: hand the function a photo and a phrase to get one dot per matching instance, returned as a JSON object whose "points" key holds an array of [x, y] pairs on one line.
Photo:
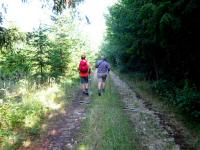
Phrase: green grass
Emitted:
{"points": [[23, 119], [106, 126]]}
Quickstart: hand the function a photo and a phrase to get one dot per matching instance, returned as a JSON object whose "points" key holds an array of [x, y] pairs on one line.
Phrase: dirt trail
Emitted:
{"points": [[154, 132], [63, 126], [146, 123]]}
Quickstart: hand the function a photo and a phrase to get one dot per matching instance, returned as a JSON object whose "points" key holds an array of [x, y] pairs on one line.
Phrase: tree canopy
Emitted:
{"points": [[57, 6], [159, 39], [162, 36]]}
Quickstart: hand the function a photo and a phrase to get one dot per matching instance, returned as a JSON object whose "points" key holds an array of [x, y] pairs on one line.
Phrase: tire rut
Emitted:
{"points": [[148, 126]]}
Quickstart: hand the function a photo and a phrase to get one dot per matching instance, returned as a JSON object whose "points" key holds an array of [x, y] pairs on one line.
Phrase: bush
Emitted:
{"points": [[165, 89], [14, 115], [139, 76], [19, 120], [188, 100]]}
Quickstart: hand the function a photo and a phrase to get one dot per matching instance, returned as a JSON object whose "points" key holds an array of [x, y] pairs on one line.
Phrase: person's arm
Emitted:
{"points": [[89, 70], [109, 68], [97, 64]]}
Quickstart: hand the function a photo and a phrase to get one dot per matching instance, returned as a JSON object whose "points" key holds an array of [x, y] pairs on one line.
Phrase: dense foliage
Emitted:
{"points": [[37, 71], [160, 39]]}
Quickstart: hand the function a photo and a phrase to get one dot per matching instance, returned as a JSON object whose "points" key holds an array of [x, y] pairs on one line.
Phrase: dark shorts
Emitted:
{"points": [[84, 80]]}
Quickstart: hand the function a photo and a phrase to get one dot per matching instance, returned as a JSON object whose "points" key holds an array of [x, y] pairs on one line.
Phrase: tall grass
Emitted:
{"points": [[106, 126], [24, 108]]}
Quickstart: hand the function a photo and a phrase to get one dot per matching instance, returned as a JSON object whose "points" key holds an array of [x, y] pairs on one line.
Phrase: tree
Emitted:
{"points": [[12, 59], [157, 35], [40, 58], [159, 39], [9, 37], [58, 6]]}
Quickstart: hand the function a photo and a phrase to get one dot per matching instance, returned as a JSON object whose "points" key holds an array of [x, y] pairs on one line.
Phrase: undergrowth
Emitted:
{"points": [[23, 109]]}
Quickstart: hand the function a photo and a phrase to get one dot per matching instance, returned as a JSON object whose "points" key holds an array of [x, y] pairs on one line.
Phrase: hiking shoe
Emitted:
{"points": [[99, 92], [86, 93]]}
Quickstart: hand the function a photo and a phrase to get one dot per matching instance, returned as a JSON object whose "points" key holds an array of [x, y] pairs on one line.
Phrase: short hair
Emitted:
{"points": [[83, 56], [104, 58]]}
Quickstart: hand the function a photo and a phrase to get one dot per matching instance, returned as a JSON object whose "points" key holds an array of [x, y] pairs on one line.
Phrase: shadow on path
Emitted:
{"points": [[63, 126]]}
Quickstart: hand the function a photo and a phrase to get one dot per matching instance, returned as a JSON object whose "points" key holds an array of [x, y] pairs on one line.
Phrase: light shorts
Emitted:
{"points": [[84, 80], [102, 77]]}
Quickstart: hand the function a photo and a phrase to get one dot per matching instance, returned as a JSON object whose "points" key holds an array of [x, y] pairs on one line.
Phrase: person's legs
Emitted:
{"points": [[86, 88], [103, 84], [82, 85], [99, 86], [86, 85]]}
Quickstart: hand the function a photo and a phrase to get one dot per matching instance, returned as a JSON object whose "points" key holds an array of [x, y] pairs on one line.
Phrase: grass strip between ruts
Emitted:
{"points": [[106, 126]]}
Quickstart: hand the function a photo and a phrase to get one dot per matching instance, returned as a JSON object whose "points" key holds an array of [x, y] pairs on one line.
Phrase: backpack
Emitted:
{"points": [[83, 67]]}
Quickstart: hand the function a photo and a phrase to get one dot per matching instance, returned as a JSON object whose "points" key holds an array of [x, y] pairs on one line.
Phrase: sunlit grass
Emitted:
{"points": [[26, 143], [106, 126], [31, 120], [47, 97], [83, 147], [24, 108]]}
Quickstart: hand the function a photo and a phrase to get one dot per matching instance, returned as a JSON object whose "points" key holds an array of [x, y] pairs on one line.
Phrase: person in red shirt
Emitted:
{"points": [[84, 71]]}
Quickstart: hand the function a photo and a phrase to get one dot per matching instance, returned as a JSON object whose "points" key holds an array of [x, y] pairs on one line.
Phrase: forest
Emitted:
{"points": [[33, 64], [156, 40]]}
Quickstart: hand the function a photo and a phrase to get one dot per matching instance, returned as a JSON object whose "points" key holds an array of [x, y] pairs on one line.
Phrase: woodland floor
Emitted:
{"points": [[158, 130]]}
